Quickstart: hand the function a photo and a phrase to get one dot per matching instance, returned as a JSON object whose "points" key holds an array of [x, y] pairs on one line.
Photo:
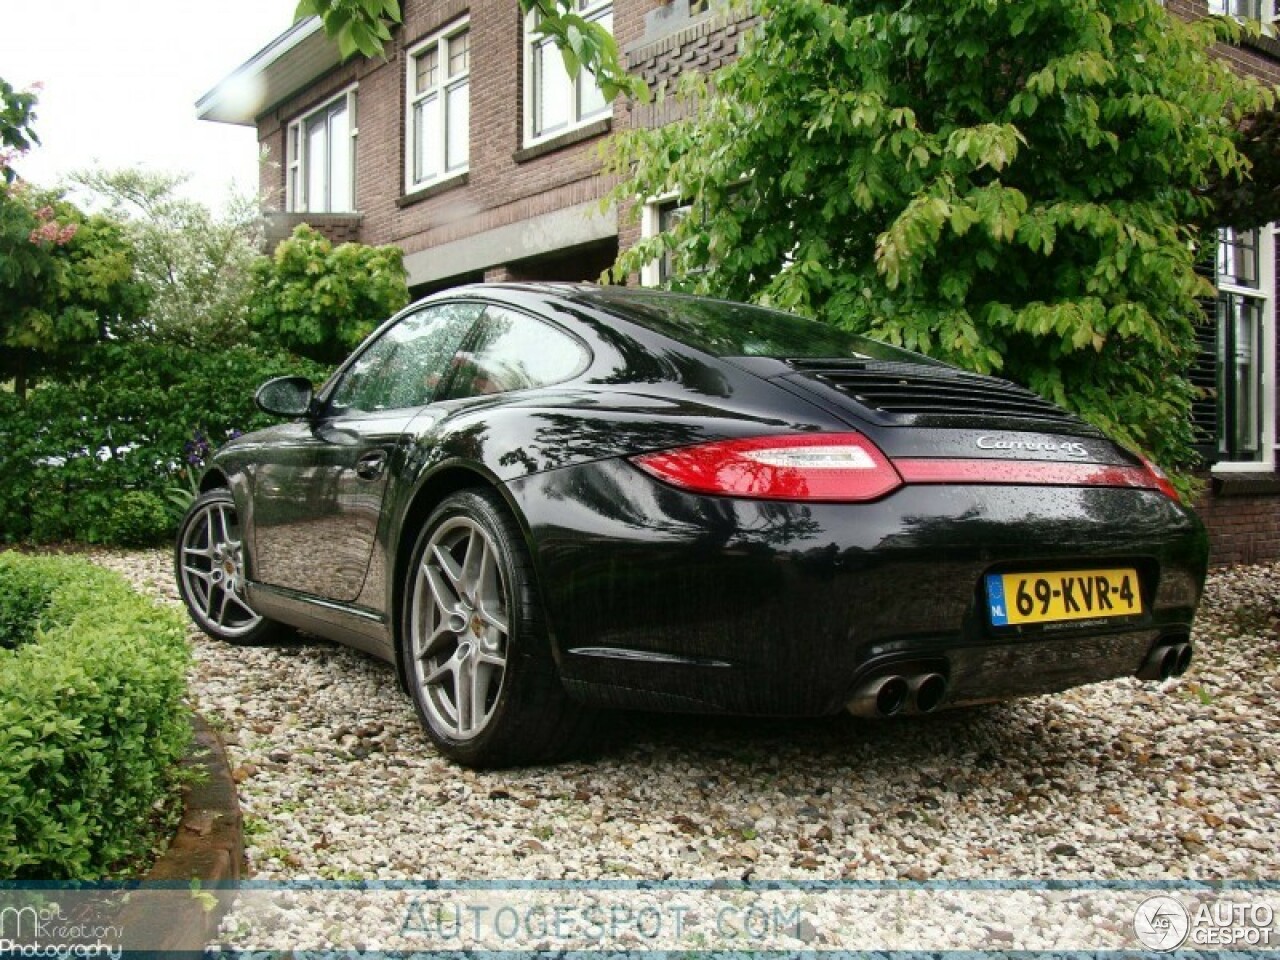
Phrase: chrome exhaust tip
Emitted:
{"points": [[880, 697], [928, 691], [1169, 659]]}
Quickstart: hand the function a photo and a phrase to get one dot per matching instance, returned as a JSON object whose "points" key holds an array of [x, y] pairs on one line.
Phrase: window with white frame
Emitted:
{"points": [[322, 158], [554, 101], [437, 145], [1264, 10], [1245, 345], [661, 216]]}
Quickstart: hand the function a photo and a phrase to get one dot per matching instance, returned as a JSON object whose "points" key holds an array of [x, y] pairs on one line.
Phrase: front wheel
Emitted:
{"points": [[210, 569], [477, 656]]}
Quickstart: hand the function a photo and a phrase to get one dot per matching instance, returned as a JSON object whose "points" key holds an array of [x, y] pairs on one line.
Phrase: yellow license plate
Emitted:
{"points": [[1015, 598]]}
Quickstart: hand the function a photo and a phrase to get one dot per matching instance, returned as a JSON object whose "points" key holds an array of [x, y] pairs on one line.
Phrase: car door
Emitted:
{"points": [[318, 493]]}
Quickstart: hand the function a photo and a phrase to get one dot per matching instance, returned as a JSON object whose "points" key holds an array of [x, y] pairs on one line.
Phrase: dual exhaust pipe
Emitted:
{"points": [[890, 693], [1166, 660]]}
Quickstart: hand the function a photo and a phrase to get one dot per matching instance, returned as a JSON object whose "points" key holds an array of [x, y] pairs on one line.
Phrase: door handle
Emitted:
{"points": [[371, 465]]}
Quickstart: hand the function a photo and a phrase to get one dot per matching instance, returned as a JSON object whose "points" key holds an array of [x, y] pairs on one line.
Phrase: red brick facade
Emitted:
{"points": [[504, 185]]}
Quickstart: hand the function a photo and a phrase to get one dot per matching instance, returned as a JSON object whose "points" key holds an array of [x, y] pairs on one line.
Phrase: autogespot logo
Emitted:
{"points": [[1161, 923]]}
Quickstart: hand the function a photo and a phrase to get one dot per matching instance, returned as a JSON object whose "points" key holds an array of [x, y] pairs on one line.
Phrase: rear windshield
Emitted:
{"points": [[726, 329]]}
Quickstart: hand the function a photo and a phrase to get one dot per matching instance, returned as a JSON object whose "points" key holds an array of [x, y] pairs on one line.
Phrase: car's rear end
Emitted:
{"points": [[1080, 564], [945, 539]]}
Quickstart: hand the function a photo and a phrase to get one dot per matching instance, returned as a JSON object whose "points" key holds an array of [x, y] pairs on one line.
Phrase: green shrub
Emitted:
{"points": [[319, 300], [24, 595], [139, 519], [118, 421], [92, 720]]}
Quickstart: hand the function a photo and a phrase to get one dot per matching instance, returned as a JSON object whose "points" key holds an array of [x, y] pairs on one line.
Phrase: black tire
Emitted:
{"points": [[476, 654], [208, 563]]}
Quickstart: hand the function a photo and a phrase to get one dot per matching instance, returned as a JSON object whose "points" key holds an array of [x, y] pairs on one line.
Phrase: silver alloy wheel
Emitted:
{"points": [[459, 628], [213, 578]]}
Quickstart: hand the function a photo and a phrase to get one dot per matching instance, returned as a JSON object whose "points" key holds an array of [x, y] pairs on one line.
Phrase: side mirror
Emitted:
{"points": [[285, 397]]}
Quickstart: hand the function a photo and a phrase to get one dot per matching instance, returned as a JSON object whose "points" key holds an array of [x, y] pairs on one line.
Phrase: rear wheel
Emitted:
{"points": [[477, 657], [210, 569]]}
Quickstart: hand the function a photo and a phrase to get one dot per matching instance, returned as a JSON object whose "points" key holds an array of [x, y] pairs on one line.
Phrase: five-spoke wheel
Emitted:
{"points": [[460, 627], [211, 571], [475, 651]]}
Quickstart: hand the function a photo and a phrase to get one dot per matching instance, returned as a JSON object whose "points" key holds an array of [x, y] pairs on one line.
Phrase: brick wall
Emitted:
{"points": [[503, 186], [1244, 527], [338, 227]]}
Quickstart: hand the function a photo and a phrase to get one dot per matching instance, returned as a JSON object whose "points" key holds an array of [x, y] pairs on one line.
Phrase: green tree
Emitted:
{"points": [[17, 123], [1251, 201], [197, 264], [364, 26], [1012, 187], [318, 300], [66, 280]]}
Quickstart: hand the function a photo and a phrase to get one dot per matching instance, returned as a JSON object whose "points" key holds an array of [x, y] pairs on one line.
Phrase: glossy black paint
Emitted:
{"points": [[659, 598]]}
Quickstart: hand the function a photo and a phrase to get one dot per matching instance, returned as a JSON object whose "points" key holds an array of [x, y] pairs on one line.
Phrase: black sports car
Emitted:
{"points": [[538, 499]]}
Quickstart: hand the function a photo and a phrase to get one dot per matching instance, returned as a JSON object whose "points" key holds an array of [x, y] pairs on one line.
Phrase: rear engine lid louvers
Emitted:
{"points": [[915, 394]]}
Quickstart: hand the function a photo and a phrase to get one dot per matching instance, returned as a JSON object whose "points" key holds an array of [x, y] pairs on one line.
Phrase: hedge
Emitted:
{"points": [[92, 454], [92, 718]]}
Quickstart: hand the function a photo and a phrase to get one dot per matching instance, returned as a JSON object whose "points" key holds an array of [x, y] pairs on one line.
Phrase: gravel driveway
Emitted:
{"points": [[1120, 780]]}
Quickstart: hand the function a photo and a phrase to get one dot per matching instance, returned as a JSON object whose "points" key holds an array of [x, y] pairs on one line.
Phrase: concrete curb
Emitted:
{"points": [[208, 849]]}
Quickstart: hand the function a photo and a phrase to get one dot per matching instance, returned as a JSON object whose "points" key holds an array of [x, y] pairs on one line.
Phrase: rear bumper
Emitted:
{"points": [[665, 600]]}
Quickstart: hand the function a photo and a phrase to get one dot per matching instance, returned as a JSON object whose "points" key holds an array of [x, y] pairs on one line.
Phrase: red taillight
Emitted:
{"points": [[1043, 473], [823, 466], [1161, 479], [848, 467]]}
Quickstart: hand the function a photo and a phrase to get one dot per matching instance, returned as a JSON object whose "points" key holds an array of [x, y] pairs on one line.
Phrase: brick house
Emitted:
{"points": [[469, 147]]}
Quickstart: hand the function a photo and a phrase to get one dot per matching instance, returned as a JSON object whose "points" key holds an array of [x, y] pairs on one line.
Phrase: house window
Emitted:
{"points": [[556, 102], [322, 158], [1245, 348], [439, 107], [659, 217], [1264, 10]]}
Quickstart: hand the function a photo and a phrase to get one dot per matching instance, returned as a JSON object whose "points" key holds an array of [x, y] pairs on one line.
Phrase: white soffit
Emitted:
{"points": [[285, 65]]}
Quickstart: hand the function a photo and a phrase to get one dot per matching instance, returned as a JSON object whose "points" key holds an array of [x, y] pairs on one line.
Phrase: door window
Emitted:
{"points": [[405, 365], [513, 351]]}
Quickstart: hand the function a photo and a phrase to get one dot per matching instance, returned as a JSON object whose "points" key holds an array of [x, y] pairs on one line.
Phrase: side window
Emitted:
{"points": [[403, 367], [512, 351]]}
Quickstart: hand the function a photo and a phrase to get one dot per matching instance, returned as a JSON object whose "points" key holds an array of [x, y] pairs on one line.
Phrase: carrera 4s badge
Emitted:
{"points": [[1066, 448]]}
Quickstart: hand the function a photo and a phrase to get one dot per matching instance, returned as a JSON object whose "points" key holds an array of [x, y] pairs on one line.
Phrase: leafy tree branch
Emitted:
{"points": [[1014, 187]]}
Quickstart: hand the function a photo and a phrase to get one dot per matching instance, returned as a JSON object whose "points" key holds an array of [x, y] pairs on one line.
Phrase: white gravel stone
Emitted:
{"points": [[1120, 780]]}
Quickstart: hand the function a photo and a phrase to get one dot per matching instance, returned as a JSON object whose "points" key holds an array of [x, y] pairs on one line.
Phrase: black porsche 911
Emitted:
{"points": [[534, 500]]}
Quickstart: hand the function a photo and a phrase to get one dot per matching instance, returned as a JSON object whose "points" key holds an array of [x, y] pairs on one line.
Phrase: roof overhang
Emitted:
{"points": [[287, 64]]}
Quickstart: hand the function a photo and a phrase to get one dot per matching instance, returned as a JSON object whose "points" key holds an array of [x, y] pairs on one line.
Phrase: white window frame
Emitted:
{"points": [[296, 179], [588, 10], [440, 39], [1265, 292], [1223, 8], [651, 226]]}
